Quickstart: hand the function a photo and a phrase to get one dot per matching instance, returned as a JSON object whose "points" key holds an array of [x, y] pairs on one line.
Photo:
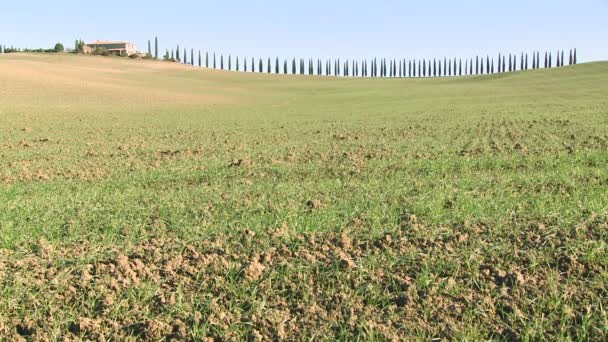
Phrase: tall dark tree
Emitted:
{"points": [[260, 66], [200, 59], [192, 57], [476, 65], [546, 60], [526, 62], [156, 47], [276, 65], [238, 64], [268, 67], [450, 67], [172, 55], [460, 67], [185, 57], [471, 66], [562, 59], [487, 64], [149, 48], [252, 64], [424, 68], [499, 59], [222, 61], [177, 54], [245, 64], [229, 62], [492, 66]]}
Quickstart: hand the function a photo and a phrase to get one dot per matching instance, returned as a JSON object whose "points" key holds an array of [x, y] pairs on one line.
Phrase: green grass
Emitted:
{"points": [[472, 207]]}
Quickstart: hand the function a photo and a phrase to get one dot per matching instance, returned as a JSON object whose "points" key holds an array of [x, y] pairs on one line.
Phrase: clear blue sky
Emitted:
{"points": [[313, 28]]}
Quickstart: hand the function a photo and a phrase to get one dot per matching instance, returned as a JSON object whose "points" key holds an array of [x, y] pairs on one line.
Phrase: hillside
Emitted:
{"points": [[154, 200]]}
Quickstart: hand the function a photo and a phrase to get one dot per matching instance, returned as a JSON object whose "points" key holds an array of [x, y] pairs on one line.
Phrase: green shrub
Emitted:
{"points": [[59, 47]]}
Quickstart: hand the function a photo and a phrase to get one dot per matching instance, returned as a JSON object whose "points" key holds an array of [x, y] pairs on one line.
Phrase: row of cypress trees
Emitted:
{"points": [[375, 67]]}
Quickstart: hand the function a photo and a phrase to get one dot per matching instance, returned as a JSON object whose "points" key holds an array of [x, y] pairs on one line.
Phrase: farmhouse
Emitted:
{"points": [[117, 48]]}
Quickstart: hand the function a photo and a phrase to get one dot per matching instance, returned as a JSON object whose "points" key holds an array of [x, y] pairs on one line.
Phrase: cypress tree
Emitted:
{"points": [[293, 66], [546, 60], [487, 64], [510, 65], [570, 58], [285, 67], [276, 65], [526, 60], [260, 66], [450, 67], [476, 65], [156, 47], [268, 66], [424, 68], [149, 48], [192, 57], [460, 67], [222, 61], [172, 55], [338, 67], [185, 57], [200, 59], [562, 58], [492, 66], [471, 66], [177, 54], [238, 65], [252, 64], [499, 59], [504, 69], [550, 61], [439, 71], [245, 64], [229, 62], [455, 72]]}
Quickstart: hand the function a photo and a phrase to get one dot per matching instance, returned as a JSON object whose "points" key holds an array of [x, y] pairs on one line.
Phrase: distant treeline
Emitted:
{"points": [[4, 49], [376, 67]]}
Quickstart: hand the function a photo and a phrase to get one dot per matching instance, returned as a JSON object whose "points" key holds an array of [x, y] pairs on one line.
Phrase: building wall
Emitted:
{"points": [[116, 48]]}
